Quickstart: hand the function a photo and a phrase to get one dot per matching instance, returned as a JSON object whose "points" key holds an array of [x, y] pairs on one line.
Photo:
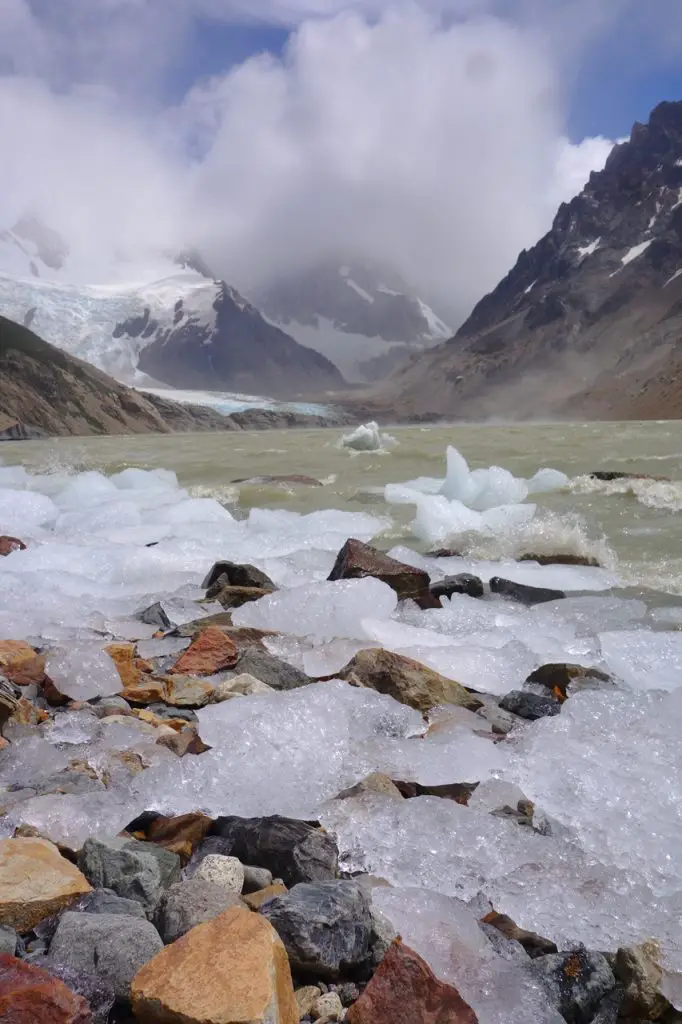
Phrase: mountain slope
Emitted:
{"points": [[588, 323], [46, 391], [364, 318]]}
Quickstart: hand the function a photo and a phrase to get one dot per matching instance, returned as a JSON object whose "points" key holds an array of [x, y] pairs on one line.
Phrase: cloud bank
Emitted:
{"points": [[433, 145]]}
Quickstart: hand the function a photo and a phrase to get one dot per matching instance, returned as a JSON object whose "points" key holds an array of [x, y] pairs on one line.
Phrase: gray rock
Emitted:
{"points": [[575, 982], [610, 1008], [134, 870], [292, 850], [189, 903], [99, 993], [111, 946], [502, 722], [522, 593], [8, 939], [105, 901], [226, 872], [256, 879], [102, 705], [155, 615], [381, 936], [165, 711], [73, 782], [463, 583], [238, 575], [325, 926], [255, 661], [530, 706]]}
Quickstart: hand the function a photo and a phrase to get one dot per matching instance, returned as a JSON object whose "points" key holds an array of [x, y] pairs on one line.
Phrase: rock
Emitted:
{"points": [[374, 783], [211, 652], [229, 970], [292, 850], [501, 722], [272, 671], [356, 560], [10, 544], [444, 553], [457, 791], [289, 478], [255, 900], [575, 982], [220, 620], [533, 944], [226, 872], [325, 926], [407, 681], [404, 990], [561, 560], [187, 741], [132, 670], [179, 834], [103, 705], [97, 992], [608, 1011], [243, 685], [327, 1007], [8, 940], [530, 706], [29, 995], [637, 969], [463, 583], [35, 882], [105, 901], [135, 870], [256, 879], [9, 702], [382, 935], [523, 594], [558, 678], [235, 597], [20, 664], [238, 575], [306, 998], [155, 615], [187, 692], [609, 475], [113, 946], [26, 713], [187, 904]]}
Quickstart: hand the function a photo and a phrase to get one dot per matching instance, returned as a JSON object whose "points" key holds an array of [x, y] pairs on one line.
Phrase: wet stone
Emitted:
{"points": [[523, 594], [530, 706], [186, 904], [292, 850], [135, 870], [576, 982], [29, 995], [462, 583]]}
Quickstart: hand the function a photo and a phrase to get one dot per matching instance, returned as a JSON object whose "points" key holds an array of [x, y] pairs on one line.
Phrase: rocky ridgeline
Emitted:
{"points": [[193, 919]]}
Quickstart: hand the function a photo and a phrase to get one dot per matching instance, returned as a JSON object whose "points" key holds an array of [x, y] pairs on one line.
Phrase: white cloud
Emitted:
{"points": [[439, 149]]}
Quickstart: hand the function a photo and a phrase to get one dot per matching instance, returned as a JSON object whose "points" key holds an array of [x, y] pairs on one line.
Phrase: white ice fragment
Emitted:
{"points": [[86, 489], [645, 660], [367, 438], [546, 480], [481, 489], [194, 510], [82, 672], [142, 479], [23, 512]]}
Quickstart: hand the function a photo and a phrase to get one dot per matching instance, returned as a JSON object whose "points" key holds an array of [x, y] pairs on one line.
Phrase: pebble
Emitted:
{"points": [[327, 1007]]}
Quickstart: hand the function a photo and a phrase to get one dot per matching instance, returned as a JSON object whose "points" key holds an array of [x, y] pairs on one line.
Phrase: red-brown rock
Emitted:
{"points": [[20, 663], [29, 995], [405, 990], [211, 652], [356, 560], [10, 544]]}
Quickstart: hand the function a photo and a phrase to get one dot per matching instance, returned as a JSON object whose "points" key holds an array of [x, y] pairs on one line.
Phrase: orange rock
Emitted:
{"points": [[20, 663], [26, 713], [10, 544], [133, 672], [255, 900], [228, 970], [35, 882], [405, 990], [185, 828], [29, 995], [211, 652]]}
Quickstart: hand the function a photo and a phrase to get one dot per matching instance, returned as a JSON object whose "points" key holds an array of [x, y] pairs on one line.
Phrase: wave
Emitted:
{"points": [[660, 494]]}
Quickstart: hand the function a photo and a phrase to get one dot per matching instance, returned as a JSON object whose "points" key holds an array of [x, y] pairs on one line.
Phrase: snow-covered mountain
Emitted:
{"points": [[364, 318], [169, 320]]}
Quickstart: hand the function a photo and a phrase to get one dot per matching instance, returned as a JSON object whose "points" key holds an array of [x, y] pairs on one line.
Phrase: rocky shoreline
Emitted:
{"points": [[201, 919]]}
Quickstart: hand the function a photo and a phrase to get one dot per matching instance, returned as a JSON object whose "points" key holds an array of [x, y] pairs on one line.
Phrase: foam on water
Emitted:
{"points": [[662, 494]]}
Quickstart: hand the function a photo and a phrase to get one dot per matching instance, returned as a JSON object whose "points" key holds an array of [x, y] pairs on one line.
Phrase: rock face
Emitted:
{"points": [[405, 990], [230, 970], [356, 560], [135, 870], [325, 926], [35, 882], [292, 850], [595, 308], [406, 680], [29, 995]]}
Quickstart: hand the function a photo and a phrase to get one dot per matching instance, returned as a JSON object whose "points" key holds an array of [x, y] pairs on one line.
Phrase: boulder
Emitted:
{"points": [[325, 926], [238, 575], [186, 904], [306, 997], [275, 673], [132, 670], [356, 560], [608, 475], [187, 741], [235, 597], [575, 982], [135, 870], [530, 706], [29, 995], [327, 1007], [229, 970], [105, 901], [404, 990], [463, 583], [406, 680], [10, 544], [155, 615], [112, 946], [35, 882], [211, 652], [292, 850], [20, 664], [638, 970], [523, 594], [179, 834], [187, 692], [227, 872], [558, 677]]}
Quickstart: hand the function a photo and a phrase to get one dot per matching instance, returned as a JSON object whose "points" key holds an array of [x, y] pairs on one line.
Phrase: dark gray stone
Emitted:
{"points": [[325, 926], [238, 575], [530, 706], [155, 615], [501, 722], [271, 670], [523, 594], [575, 982], [111, 946], [463, 583], [105, 901], [381, 936], [164, 711], [189, 903], [73, 782], [99, 993], [256, 879], [294, 851], [134, 870], [8, 939]]}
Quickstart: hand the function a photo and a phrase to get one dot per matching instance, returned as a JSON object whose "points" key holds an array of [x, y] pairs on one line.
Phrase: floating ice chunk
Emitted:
{"points": [[588, 614], [194, 510], [483, 488], [70, 819], [143, 479], [439, 521], [546, 480], [24, 511], [322, 611], [82, 672], [367, 438], [645, 660], [86, 489], [485, 669], [111, 515]]}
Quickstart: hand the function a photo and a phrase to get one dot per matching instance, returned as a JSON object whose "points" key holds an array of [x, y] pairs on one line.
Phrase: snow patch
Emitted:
{"points": [[526, 291], [359, 291], [670, 280], [437, 328], [635, 252], [588, 250]]}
